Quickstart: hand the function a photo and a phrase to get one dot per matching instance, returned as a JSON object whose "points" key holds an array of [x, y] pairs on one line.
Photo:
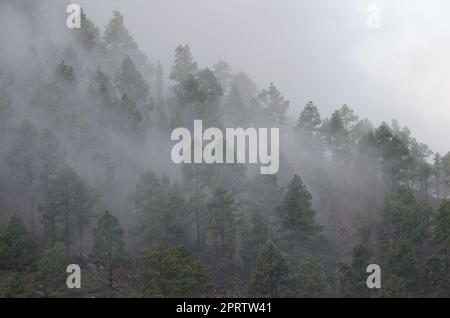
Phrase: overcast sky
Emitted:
{"points": [[319, 50]]}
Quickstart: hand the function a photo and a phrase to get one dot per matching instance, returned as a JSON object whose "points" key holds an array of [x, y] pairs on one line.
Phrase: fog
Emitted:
{"points": [[86, 118], [314, 50]]}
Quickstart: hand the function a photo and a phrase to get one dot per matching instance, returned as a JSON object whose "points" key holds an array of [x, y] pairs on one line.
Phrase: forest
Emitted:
{"points": [[86, 178]]}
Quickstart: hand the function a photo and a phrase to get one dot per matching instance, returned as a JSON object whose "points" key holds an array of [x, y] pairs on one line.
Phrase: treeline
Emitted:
{"points": [[79, 138]]}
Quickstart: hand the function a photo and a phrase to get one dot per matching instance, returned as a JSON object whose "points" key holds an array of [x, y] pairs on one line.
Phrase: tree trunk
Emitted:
{"points": [[437, 187], [110, 280], [80, 233], [33, 234]]}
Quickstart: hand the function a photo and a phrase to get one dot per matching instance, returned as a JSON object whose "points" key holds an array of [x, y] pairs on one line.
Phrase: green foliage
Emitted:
{"points": [[23, 161], [309, 119], [17, 247], [253, 237], [108, 249], [6, 111], [275, 106], [129, 117], [51, 156], [130, 82], [272, 277], [223, 73], [335, 134], [67, 207], [311, 280], [405, 218], [116, 36], [100, 86], [435, 278], [221, 229], [348, 117], [183, 66], [396, 287], [402, 262], [235, 108], [209, 108], [264, 195], [349, 165], [353, 278], [161, 210], [441, 238], [14, 286], [51, 275], [167, 271], [89, 34], [307, 131], [296, 216], [394, 154], [65, 73]]}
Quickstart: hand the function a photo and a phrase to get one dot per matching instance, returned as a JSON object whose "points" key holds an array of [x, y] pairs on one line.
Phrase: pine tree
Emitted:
{"points": [[265, 194], [311, 280], [353, 278], [221, 229], [14, 286], [128, 115], [67, 207], [23, 162], [402, 262], [235, 109], [223, 74], [162, 215], [159, 83], [167, 271], [130, 82], [348, 117], [441, 235], [405, 218], [309, 119], [254, 236], [17, 247], [116, 36], [396, 287], [296, 216], [272, 275], [89, 34], [209, 110], [108, 249], [247, 88], [275, 106], [100, 87], [435, 276], [6, 114], [51, 156], [183, 66], [437, 169], [56, 99], [446, 175], [393, 154], [307, 129], [52, 271], [65, 73], [335, 134]]}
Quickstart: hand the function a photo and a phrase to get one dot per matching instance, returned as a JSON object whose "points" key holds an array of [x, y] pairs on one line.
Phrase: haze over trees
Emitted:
{"points": [[86, 178]]}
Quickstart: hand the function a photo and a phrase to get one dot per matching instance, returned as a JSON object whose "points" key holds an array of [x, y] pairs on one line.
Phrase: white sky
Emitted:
{"points": [[320, 50]]}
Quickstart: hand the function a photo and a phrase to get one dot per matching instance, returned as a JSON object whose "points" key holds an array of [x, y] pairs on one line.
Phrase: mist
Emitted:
{"points": [[321, 51], [86, 117]]}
